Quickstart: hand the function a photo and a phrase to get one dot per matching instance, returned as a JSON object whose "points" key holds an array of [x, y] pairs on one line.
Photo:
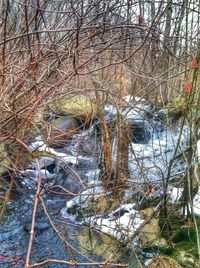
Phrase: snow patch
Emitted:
{"points": [[175, 194], [39, 145], [122, 228], [130, 98], [34, 174]]}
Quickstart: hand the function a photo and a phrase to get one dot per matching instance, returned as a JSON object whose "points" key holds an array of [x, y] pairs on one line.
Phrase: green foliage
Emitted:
{"points": [[178, 104], [169, 251], [176, 220], [185, 234], [183, 240]]}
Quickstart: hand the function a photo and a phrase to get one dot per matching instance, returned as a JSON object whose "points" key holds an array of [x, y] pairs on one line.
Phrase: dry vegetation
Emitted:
{"points": [[100, 49]]}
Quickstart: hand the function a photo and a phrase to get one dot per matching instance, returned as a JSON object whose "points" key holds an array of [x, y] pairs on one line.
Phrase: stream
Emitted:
{"points": [[75, 168]]}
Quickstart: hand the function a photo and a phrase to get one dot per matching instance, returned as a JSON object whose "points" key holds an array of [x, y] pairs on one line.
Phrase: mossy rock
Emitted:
{"points": [[65, 124], [177, 108], [62, 128], [79, 106], [183, 239], [99, 244], [163, 262], [150, 231], [12, 155]]}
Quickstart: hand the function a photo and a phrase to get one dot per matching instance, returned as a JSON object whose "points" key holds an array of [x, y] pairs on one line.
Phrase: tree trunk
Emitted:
{"points": [[123, 140], [115, 175], [107, 162]]}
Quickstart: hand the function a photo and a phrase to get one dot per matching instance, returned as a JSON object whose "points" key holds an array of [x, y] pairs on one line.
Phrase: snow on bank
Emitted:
{"points": [[175, 194], [34, 174], [39, 145], [121, 223], [122, 228], [82, 201], [130, 98]]}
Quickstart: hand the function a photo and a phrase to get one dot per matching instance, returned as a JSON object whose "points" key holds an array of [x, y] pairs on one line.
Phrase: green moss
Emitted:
{"points": [[183, 239], [76, 105], [185, 235], [178, 105], [176, 221], [150, 249], [169, 251]]}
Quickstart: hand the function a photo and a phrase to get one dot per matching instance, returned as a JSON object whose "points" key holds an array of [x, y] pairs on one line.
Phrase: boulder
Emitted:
{"points": [[78, 106], [150, 231], [65, 123], [9, 152], [62, 128], [176, 108]]}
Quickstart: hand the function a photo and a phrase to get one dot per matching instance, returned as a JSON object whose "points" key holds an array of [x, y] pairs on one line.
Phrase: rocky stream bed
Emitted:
{"points": [[74, 169]]}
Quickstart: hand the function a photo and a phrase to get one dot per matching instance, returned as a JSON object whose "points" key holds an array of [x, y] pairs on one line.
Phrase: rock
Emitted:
{"points": [[177, 108], [44, 162], [8, 154], [62, 128], [70, 183], [150, 232], [187, 260], [130, 98], [160, 242], [29, 178], [161, 114], [39, 227], [79, 106], [110, 113], [163, 262], [99, 243], [65, 123]]}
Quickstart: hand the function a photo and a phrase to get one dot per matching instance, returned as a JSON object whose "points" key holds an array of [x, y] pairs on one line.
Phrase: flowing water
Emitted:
{"points": [[78, 167]]}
